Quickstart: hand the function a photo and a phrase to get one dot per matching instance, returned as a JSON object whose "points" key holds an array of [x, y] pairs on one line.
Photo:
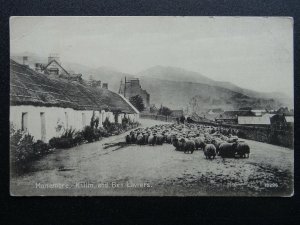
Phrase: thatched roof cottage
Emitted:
{"points": [[42, 103]]}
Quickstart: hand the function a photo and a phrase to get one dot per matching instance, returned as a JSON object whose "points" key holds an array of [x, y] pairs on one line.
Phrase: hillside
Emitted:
{"points": [[182, 75], [200, 97], [217, 91]]}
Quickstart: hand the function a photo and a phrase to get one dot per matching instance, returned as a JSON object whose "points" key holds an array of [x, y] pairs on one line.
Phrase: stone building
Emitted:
{"points": [[132, 87]]}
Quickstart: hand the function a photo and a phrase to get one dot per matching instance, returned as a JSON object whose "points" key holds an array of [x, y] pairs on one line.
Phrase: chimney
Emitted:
{"points": [[25, 61], [54, 56], [105, 85], [38, 67]]}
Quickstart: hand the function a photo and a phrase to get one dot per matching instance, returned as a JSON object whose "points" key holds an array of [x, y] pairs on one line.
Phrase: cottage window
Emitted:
{"points": [[24, 121], [83, 120], [43, 126], [67, 120]]}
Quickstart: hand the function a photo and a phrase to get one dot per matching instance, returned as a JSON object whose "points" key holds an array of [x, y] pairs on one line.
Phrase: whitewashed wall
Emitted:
{"points": [[55, 116]]}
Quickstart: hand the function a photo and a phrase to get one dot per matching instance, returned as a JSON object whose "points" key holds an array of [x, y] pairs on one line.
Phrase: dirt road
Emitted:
{"points": [[109, 167]]}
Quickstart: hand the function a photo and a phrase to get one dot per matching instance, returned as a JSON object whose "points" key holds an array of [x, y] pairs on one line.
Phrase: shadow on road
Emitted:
{"points": [[119, 144]]}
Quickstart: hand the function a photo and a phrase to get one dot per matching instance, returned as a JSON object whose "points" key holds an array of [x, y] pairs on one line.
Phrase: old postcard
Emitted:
{"points": [[151, 106]]}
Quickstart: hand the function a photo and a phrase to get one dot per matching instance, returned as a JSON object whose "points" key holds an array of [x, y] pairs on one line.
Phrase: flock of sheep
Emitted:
{"points": [[190, 137]]}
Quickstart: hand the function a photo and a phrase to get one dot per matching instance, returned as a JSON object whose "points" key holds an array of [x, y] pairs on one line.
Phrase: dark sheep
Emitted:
{"points": [[178, 144], [146, 136], [159, 139], [175, 143], [227, 150], [128, 139], [243, 149], [182, 142], [210, 151], [133, 137]]}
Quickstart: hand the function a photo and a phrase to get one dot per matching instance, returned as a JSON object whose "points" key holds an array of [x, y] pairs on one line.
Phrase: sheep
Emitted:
{"points": [[178, 143], [140, 139], [217, 142], [243, 149], [210, 151], [133, 137], [146, 136], [199, 143], [189, 146], [182, 145], [175, 143], [227, 150], [159, 139], [128, 139], [151, 139], [232, 139]]}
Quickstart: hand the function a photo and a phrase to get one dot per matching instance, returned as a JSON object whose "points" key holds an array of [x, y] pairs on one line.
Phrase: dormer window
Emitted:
{"points": [[53, 71]]}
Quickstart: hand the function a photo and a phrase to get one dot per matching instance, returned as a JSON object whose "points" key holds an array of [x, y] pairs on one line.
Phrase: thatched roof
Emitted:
{"points": [[28, 87]]}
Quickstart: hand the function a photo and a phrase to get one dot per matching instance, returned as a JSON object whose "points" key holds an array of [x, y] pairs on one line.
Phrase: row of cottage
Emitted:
{"points": [[45, 104], [277, 119]]}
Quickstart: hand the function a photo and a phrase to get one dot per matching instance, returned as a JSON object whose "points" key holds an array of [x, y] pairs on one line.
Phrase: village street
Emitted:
{"points": [[110, 167]]}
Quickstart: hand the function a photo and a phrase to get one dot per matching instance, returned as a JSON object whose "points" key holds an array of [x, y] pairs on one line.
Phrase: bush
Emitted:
{"points": [[106, 124], [91, 134], [61, 142], [165, 111], [40, 148], [125, 123], [103, 132], [23, 150], [69, 133], [78, 139], [115, 128]]}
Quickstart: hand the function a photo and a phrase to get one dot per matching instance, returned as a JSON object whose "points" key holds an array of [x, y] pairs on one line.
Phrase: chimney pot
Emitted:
{"points": [[25, 61]]}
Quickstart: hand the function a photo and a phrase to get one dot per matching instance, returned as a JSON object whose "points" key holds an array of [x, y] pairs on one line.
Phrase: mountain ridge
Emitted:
{"points": [[179, 80]]}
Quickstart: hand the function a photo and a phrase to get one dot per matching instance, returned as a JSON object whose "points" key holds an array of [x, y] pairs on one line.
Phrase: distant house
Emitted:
{"points": [[262, 120], [45, 106], [132, 87], [177, 113], [212, 114], [199, 119], [53, 68], [231, 117], [258, 112]]}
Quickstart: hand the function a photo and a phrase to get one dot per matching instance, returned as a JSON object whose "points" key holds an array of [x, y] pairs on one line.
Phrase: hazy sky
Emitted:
{"points": [[255, 53]]}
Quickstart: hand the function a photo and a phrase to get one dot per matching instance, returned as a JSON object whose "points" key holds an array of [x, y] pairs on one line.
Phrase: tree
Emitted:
{"points": [[138, 102], [164, 111]]}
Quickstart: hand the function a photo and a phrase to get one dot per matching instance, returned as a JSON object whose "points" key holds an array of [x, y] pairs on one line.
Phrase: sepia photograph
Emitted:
{"points": [[151, 106]]}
